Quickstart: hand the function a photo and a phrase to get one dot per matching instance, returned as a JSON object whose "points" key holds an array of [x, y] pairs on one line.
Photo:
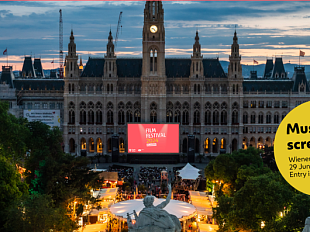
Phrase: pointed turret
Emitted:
{"points": [[110, 58], [110, 45], [71, 65], [196, 66], [235, 69]]}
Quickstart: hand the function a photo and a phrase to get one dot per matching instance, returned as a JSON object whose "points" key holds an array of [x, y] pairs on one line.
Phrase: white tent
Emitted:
{"points": [[106, 193], [189, 172], [182, 210]]}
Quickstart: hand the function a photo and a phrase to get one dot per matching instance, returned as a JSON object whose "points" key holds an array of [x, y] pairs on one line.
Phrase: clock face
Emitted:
{"points": [[153, 29]]}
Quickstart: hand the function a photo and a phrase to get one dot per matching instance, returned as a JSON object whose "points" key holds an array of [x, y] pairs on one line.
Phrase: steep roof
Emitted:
{"points": [[268, 68], [213, 68], [127, 67], [7, 76], [299, 77], [38, 67], [267, 85], [278, 69], [177, 67], [94, 68], [28, 69], [132, 67]]}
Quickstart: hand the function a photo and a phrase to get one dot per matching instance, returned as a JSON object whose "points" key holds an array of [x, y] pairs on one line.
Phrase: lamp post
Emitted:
{"points": [[75, 146], [230, 146]]}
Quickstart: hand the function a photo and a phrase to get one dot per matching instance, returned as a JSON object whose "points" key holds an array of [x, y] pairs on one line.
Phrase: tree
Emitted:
{"points": [[11, 187], [37, 213], [55, 173], [12, 144]]}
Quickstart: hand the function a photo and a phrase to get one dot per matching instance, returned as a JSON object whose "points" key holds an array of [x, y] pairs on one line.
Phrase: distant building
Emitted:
{"points": [[224, 111]]}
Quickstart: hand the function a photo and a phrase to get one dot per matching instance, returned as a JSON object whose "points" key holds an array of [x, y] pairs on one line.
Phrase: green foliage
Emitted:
{"points": [[12, 134], [11, 186], [52, 172], [37, 213], [248, 192]]}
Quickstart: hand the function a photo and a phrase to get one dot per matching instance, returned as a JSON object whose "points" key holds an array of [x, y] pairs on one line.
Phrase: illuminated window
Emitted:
{"points": [[83, 143], [99, 145]]}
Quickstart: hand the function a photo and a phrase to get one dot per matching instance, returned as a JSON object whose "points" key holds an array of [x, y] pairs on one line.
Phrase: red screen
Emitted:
{"points": [[153, 138]]}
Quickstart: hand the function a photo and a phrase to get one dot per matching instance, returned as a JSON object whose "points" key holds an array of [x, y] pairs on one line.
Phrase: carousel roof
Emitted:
{"points": [[182, 210]]}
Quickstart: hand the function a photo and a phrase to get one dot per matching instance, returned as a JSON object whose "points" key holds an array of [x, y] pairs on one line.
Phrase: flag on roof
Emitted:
{"points": [[301, 53], [255, 62], [5, 52]]}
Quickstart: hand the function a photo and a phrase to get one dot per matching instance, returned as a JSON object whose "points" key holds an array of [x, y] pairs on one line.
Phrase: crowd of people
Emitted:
{"points": [[124, 173], [150, 175]]}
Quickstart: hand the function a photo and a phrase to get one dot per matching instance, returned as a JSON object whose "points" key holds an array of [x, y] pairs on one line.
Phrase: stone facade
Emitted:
{"points": [[224, 111]]}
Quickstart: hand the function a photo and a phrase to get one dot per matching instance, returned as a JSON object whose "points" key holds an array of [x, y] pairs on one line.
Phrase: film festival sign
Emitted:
{"points": [[49, 117]]}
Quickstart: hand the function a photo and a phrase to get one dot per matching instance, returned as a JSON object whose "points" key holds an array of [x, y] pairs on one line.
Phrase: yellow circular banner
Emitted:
{"points": [[292, 148]]}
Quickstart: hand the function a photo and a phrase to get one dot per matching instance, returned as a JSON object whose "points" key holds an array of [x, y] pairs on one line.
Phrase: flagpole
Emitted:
{"points": [[299, 58], [7, 57]]}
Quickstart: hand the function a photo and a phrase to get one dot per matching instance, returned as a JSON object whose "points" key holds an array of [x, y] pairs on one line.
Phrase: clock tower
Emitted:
{"points": [[153, 92]]}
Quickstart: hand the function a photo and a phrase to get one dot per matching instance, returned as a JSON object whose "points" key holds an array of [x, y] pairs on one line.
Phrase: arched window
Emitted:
{"points": [[99, 145], [260, 118], [137, 116], [276, 118], [98, 113], [71, 113], [215, 145], [234, 118], [121, 145], [196, 117], [223, 143], [177, 116], [91, 145], [153, 116], [207, 145], [109, 145], [129, 117], [121, 117], [83, 144], [110, 113], [224, 117], [169, 116], [253, 118], [268, 118], [71, 145], [198, 89], [208, 117], [245, 118], [69, 88], [71, 117], [195, 89], [185, 118], [215, 118], [153, 60], [72, 88]]}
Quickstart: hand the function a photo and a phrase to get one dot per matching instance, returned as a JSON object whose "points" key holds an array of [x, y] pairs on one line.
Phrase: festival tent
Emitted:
{"points": [[182, 210], [201, 201], [106, 193], [189, 172]]}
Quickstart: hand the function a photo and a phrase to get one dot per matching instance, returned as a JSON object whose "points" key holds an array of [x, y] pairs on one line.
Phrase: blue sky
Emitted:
{"points": [[265, 29]]}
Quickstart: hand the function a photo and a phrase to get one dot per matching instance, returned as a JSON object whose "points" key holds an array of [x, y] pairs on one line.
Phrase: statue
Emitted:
{"points": [[154, 218], [307, 225]]}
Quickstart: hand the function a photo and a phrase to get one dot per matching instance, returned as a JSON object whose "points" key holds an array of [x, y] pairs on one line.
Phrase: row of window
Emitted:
{"points": [[259, 130], [44, 105], [262, 104], [260, 118]]}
